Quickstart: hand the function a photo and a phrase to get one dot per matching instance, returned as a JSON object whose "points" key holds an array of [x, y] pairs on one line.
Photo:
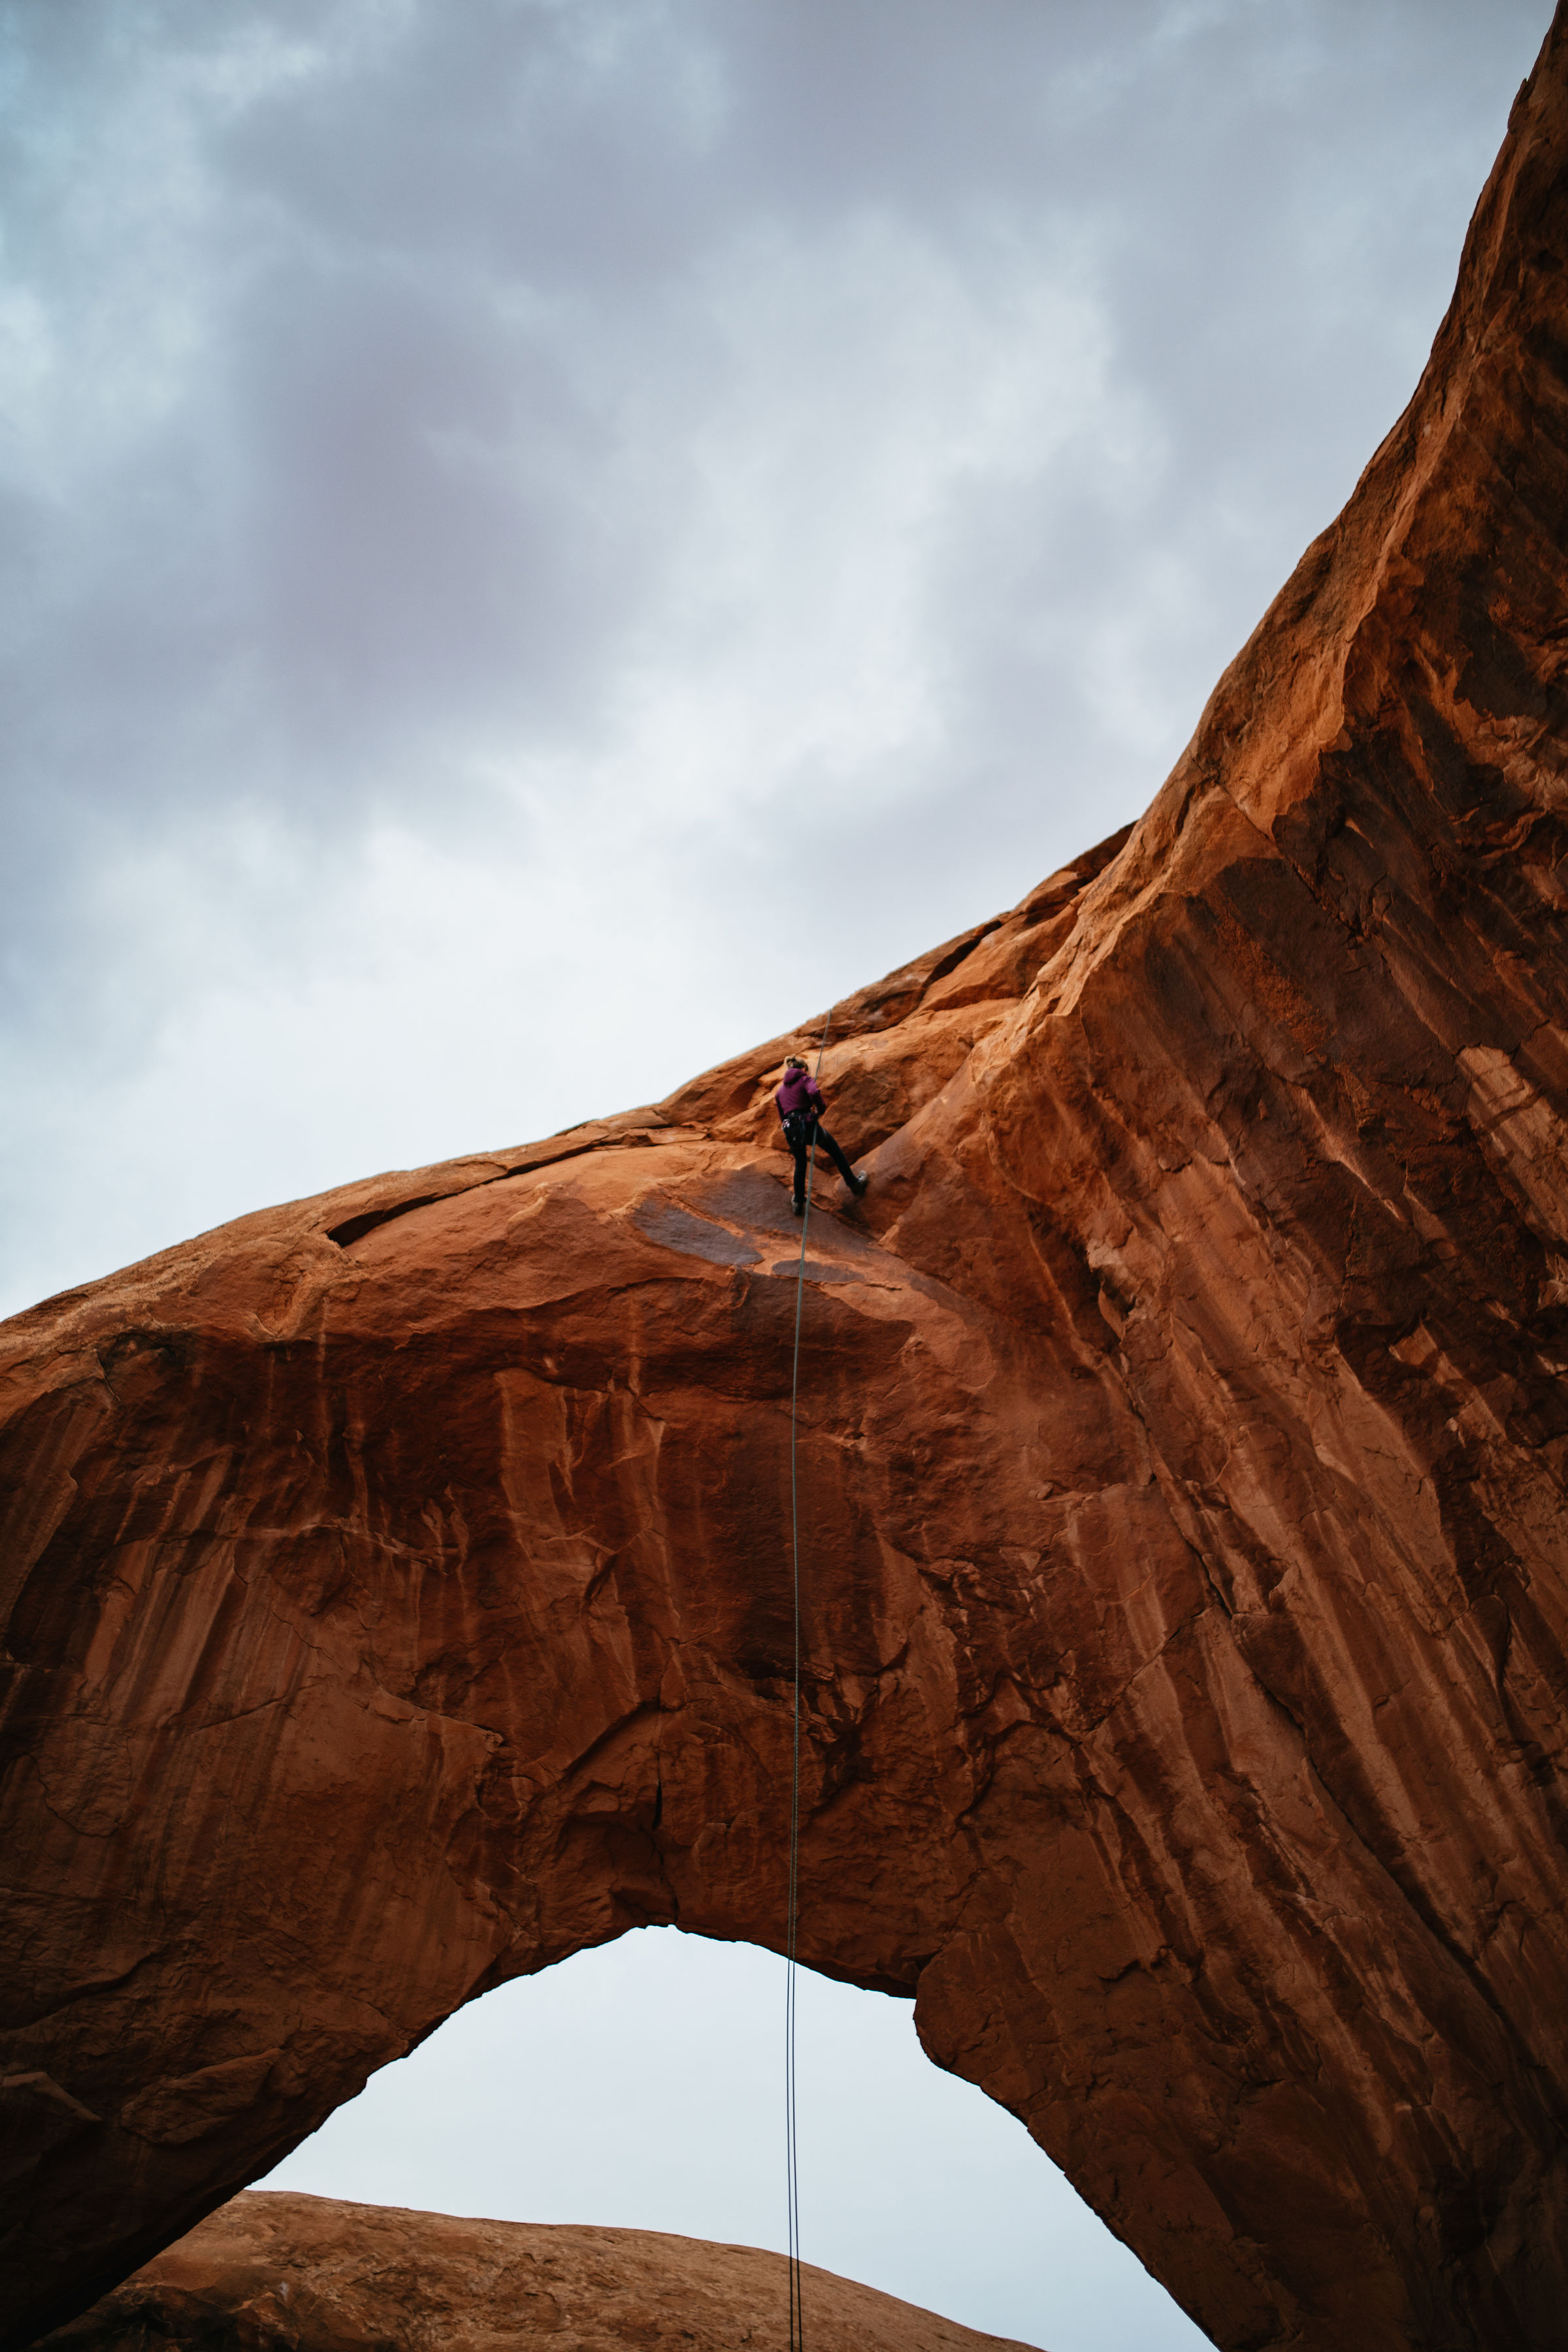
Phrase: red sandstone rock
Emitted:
{"points": [[397, 1588], [276, 2273]]}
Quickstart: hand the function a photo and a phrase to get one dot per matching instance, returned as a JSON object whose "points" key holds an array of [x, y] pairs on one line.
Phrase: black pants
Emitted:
{"points": [[820, 1135]]}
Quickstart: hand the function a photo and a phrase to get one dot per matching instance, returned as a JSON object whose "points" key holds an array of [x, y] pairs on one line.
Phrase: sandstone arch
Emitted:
{"points": [[392, 1613]]}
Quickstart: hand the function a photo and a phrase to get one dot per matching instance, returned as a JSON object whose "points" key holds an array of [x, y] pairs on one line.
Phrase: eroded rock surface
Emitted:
{"points": [[398, 1586], [279, 2273]]}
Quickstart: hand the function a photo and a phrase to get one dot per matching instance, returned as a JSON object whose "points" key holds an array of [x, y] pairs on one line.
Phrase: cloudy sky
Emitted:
{"points": [[544, 539]]}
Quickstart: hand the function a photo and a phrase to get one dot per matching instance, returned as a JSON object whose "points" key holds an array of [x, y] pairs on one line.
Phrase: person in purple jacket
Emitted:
{"points": [[800, 1107]]}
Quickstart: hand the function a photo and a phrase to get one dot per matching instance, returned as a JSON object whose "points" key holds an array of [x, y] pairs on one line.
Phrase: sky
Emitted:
{"points": [[543, 540]]}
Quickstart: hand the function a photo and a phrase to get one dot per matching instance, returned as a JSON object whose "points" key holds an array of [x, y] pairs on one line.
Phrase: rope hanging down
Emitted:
{"points": [[791, 2147]]}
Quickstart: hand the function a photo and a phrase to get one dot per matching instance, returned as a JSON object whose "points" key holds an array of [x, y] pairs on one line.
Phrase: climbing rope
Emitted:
{"points": [[792, 2146]]}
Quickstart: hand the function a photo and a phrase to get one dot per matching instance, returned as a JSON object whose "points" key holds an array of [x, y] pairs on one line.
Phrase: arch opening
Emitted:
{"points": [[638, 2086]]}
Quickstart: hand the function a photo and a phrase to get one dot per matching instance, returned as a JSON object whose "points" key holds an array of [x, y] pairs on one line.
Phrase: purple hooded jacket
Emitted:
{"points": [[799, 1091]]}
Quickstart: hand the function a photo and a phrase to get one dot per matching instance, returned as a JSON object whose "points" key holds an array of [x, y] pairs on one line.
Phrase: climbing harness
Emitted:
{"points": [[791, 2149]]}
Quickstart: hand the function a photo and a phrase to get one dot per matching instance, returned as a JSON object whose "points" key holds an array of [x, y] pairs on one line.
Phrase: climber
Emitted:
{"points": [[800, 1107]]}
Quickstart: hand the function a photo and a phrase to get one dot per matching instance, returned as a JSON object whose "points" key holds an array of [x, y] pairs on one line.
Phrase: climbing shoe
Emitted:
{"points": [[798, 1205], [859, 1186]]}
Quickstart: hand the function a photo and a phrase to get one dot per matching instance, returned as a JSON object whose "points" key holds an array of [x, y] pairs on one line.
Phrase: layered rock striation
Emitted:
{"points": [[279, 2273], [398, 1586]]}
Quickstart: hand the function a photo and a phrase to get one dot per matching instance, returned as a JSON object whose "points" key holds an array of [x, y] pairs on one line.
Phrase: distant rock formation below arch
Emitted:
{"points": [[276, 2271], [396, 1584]]}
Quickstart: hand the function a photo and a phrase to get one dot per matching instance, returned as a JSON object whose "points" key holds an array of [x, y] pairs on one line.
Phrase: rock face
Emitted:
{"points": [[397, 1583], [274, 2273]]}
